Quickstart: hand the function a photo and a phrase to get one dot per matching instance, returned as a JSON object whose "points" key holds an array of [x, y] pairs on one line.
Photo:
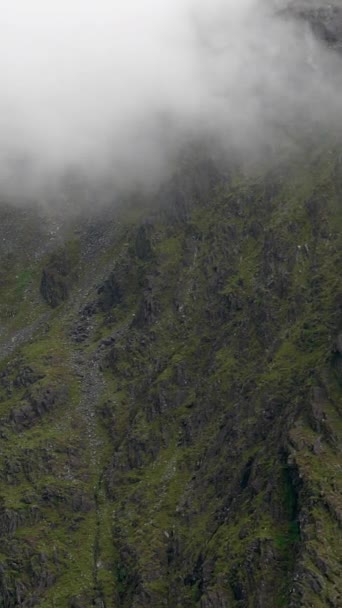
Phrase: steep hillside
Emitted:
{"points": [[170, 396]]}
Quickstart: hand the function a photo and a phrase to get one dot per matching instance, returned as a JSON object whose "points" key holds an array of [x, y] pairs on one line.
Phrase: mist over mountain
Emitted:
{"points": [[113, 91], [170, 304]]}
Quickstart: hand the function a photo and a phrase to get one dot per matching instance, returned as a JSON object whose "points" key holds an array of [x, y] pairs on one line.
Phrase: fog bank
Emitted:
{"points": [[112, 90]]}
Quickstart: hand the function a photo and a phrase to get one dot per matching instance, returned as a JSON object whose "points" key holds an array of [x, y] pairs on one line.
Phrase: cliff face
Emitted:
{"points": [[170, 396], [171, 391]]}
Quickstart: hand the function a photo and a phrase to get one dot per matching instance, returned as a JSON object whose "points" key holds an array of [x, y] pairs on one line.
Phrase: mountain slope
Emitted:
{"points": [[171, 414]]}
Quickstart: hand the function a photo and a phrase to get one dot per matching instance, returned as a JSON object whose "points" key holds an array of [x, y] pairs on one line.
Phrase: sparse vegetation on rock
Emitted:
{"points": [[171, 427]]}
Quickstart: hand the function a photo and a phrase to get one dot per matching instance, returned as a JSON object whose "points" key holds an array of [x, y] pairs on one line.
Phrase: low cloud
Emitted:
{"points": [[113, 90]]}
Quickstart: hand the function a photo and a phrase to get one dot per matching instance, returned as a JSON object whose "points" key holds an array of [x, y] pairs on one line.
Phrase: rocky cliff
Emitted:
{"points": [[170, 391], [171, 395]]}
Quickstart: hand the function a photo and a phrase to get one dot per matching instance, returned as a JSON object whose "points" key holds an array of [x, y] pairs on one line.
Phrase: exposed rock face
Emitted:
{"points": [[171, 433], [325, 19], [54, 285], [110, 293]]}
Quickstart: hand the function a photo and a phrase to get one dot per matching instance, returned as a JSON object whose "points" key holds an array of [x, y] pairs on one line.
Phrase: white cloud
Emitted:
{"points": [[114, 87]]}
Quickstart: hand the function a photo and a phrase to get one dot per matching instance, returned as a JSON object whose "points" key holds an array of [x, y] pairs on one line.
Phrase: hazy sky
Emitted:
{"points": [[113, 86]]}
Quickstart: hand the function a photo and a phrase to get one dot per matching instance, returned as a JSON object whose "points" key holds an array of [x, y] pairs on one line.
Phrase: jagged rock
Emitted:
{"points": [[26, 377], [34, 407], [55, 281], [110, 293]]}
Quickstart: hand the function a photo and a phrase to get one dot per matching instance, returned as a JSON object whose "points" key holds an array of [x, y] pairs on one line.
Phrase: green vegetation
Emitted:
{"points": [[172, 432]]}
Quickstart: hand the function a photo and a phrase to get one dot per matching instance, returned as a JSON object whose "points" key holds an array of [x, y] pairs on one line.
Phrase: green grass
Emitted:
{"points": [[208, 436]]}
